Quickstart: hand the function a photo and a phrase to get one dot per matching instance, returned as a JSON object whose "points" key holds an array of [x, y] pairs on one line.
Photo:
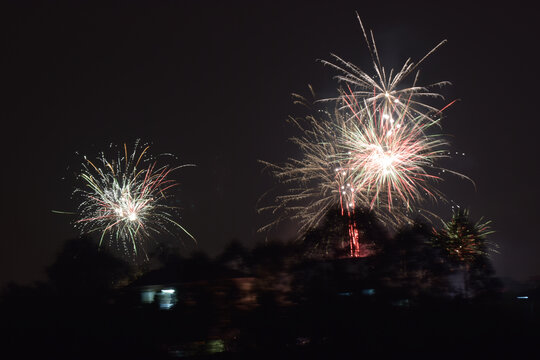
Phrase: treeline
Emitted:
{"points": [[410, 296]]}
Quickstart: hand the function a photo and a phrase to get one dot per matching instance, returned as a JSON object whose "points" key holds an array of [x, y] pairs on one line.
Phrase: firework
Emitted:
{"points": [[356, 158], [385, 90], [390, 159], [126, 199], [377, 150], [462, 239], [323, 177]]}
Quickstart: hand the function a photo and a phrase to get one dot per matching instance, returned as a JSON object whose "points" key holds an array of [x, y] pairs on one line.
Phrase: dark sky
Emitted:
{"points": [[211, 82]]}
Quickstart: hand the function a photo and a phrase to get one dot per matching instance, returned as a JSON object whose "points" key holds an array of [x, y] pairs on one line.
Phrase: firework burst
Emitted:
{"points": [[385, 91], [125, 199], [390, 158], [323, 176], [377, 150], [359, 159], [462, 239]]}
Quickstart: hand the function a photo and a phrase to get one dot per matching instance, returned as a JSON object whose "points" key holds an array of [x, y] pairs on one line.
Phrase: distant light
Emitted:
{"points": [[147, 297], [215, 346], [368, 292], [522, 297], [168, 291]]}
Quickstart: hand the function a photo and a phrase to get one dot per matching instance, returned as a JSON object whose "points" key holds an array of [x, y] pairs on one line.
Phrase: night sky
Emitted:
{"points": [[211, 82]]}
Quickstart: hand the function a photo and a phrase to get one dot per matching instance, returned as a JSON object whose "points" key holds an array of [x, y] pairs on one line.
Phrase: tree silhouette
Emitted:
{"points": [[331, 238], [409, 263], [235, 257], [81, 268]]}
